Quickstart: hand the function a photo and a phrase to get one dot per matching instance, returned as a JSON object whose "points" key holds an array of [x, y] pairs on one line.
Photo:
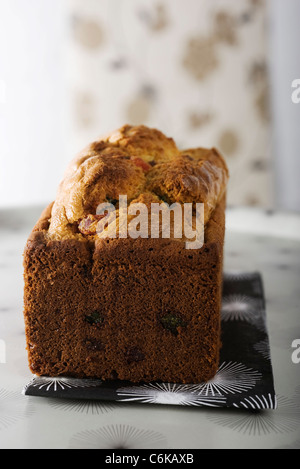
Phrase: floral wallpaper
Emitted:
{"points": [[195, 69]]}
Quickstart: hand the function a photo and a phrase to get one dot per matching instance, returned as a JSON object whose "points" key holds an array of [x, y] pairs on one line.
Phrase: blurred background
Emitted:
{"points": [[207, 73]]}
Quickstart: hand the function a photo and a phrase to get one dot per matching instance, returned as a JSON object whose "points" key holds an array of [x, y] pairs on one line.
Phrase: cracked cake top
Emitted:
{"points": [[141, 163]]}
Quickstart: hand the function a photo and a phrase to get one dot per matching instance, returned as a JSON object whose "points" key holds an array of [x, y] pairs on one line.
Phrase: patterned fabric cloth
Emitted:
{"points": [[197, 70]]}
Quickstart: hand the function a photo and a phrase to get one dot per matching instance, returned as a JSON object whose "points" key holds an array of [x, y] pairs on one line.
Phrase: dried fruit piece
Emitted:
{"points": [[134, 354], [95, 318], [172, 322], [88, 225], [164, 198], [141, 164], [94, 345], [112, 201]]}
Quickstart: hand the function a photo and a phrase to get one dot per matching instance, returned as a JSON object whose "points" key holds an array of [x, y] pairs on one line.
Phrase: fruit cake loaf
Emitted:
{"points": [[139, 309]]}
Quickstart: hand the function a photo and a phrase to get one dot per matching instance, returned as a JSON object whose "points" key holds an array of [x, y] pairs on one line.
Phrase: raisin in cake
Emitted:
{"points": [[137, 309]]}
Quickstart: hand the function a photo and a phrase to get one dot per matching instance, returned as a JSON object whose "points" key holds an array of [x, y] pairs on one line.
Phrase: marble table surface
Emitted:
{"points": [[256, 240]]}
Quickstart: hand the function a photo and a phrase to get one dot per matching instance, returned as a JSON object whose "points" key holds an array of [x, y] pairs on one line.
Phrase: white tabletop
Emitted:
{"points": [[256, 240]]}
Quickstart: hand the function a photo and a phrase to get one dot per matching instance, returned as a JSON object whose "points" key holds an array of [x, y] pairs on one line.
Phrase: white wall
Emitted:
{"points": [[163, 45], [285, 68], [32, 107], [35, 133]]}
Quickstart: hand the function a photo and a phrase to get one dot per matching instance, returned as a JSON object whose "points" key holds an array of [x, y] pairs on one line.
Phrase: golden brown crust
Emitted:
{"points": [[138, 162], [198, 175], [142, 141]]}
